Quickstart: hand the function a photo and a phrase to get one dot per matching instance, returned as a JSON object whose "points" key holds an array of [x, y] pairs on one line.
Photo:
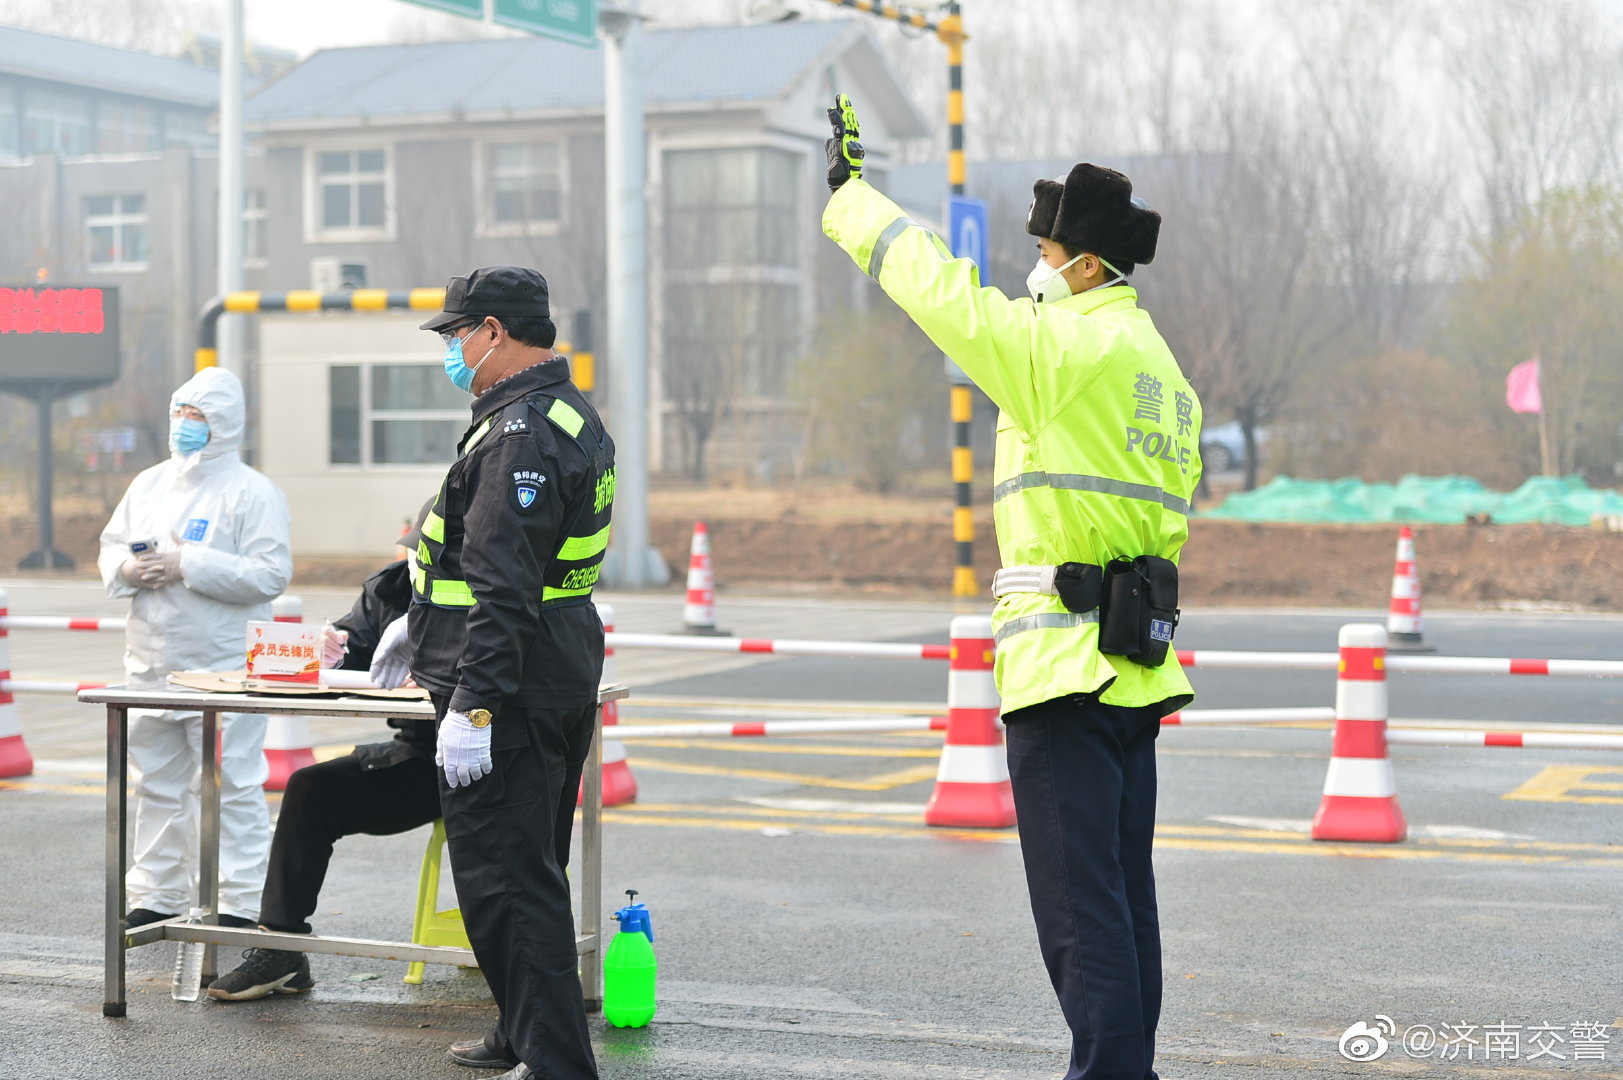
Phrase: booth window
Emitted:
{"points": [[393, 414]]}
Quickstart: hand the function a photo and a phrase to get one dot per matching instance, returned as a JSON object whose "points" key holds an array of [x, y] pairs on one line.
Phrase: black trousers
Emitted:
{"points": [[508, 835], [1084, 792], [326, 802]]}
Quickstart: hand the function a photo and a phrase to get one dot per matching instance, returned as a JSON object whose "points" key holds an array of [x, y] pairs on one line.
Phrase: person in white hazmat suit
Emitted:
{"points": [[221, 556]]}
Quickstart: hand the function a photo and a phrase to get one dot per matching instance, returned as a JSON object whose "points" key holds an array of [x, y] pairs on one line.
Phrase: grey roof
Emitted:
{"points": [[79, 63], [532, 75]]}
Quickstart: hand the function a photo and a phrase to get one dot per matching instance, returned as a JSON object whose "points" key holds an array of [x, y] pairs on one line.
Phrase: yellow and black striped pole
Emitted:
{"points": [[951, 33], [248, 303]]}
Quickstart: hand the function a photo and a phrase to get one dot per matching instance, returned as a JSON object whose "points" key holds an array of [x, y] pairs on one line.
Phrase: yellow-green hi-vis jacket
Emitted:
{"points": [[1097, 442]]}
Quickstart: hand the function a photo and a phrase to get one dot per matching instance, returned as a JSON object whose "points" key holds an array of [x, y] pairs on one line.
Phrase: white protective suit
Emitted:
{"points": [[231, 525]]}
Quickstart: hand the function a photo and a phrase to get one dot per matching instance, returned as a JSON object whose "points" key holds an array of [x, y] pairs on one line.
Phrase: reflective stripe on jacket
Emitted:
{"points": [[1098, 440]]}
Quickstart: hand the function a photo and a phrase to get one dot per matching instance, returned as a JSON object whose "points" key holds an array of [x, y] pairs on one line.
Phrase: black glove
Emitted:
{"points": [[844, 151]]}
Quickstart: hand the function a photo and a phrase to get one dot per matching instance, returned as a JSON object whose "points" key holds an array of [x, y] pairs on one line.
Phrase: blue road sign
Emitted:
{"points": [[966, 236], [966, 224]]}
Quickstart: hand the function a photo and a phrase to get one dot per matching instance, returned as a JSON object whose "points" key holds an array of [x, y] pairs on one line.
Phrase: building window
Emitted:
{"points": [[393, 414], [9, 142], [733, 207], [125, 129], [352, 191], [525, 184], [186, 129], [55, 124], [253, 227], [116, 232]]}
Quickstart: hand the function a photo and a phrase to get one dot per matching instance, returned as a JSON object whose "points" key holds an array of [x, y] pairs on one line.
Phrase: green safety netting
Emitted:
{"points": [[1439, 500]]}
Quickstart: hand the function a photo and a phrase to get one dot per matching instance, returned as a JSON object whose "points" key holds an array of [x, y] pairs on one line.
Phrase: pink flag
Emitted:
{"points": [[1521, 388]]}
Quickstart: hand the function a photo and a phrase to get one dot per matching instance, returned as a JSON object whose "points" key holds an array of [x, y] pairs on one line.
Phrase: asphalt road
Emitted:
{"points": [[808, 925]]}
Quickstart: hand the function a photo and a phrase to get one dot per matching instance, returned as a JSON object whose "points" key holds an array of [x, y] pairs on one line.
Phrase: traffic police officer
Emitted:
{"points": [[1097, 460], [504, 637]]}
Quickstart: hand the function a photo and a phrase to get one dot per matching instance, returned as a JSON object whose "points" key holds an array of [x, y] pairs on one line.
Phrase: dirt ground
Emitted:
{"points": [[822, 540]]}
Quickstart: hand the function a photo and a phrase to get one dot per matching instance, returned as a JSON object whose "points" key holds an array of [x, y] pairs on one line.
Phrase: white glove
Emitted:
{"points": [[131, 572], [391, 660], [159, 568], [334, 644], [463, 750]]}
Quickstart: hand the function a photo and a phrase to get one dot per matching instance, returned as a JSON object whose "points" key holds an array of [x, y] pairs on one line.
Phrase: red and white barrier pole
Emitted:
{"points": [[1526, 740], [15, 760], [755, 729], [1403, 630], [699, 612], [972, 787], [1360, 793], [59, 622], [288, 746], [865, 650], [619, 786]]}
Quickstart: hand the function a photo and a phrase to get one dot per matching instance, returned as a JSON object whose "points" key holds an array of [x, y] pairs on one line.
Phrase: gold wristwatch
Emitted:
{"points": [[479, 717]]}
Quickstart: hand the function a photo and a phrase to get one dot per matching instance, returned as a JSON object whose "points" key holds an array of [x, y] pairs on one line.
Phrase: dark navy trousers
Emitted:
{"points": [[1084, 791]]}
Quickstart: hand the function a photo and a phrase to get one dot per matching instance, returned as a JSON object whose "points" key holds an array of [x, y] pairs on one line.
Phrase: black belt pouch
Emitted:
{"points": [[1140, 609], [1080, 586]]}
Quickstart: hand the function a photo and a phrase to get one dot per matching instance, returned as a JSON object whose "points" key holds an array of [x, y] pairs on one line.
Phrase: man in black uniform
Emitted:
{"points": [[378, 789], [503, 635]]}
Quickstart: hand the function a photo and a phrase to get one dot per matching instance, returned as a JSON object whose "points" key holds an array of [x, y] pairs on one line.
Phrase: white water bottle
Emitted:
{"points": [[188, 982]]}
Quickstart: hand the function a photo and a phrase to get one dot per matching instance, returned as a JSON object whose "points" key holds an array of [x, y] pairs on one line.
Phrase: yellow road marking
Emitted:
{"points": [[1166, 838], [878, 783], [759, 746], [59, 789], [1556, 783]]}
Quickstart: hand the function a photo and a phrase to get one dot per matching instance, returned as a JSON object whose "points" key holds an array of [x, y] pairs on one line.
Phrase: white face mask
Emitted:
{"points": [[1047, 283]]}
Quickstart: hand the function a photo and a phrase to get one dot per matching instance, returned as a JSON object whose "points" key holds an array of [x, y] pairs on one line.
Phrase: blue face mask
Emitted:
{"points": [[457, 369], [187, 436]]}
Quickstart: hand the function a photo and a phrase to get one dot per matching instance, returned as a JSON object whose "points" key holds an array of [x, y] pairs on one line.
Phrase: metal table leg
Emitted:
{"points": [[591, 884], [118, 738], [208, 854]]}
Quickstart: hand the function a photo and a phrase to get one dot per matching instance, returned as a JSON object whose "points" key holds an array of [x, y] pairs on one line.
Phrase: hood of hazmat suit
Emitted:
{"points": [[230, 525]]}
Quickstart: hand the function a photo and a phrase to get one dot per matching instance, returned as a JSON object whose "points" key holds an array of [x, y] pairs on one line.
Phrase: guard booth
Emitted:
{"points": [[55, 341]]}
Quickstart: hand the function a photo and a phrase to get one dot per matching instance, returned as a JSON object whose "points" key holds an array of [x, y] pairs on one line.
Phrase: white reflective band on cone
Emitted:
{"points": [[1360, 700], [972, 690], [1369, 778], [973, 765], [9, 724]]}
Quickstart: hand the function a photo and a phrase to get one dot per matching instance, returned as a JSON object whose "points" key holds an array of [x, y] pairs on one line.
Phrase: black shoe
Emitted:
{"points": [[475, 1054], [262, 973], [237, 922], [142, 916]]}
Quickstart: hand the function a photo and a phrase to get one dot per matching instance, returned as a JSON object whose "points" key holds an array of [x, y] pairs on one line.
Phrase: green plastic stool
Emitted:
{"points": [[430, 927]]}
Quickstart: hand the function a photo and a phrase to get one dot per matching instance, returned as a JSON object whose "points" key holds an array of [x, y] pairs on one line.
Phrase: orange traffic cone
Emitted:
{"points": [[15, 760], [1403, 617], [619, 786], [972, 787], [1360, 792], [287, 738], [699, 613]]}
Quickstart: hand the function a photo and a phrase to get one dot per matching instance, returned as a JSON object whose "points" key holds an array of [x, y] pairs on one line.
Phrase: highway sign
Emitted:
{"points": [[567, 20]]}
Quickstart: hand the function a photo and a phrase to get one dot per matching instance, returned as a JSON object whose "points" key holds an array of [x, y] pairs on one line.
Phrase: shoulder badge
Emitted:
{"points": [[527, 489]]}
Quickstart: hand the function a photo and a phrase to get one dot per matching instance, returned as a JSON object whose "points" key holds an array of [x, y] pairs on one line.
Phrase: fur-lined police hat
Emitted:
{"points": [[1094, 210]]}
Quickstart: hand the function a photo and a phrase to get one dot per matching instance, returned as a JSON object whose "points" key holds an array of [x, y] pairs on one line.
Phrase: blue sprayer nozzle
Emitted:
{"points": [[633, 918]]}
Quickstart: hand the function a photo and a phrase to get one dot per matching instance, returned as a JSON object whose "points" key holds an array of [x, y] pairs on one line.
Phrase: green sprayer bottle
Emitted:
{"points": [[630, 967]]}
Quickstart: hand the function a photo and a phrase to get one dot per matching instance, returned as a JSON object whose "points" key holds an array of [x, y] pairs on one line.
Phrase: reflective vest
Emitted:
{"points": [[1098, 439], [574, 567]]}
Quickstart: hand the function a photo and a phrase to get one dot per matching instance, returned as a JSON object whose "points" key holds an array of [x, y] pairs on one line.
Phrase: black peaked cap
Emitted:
{"points": [[1094, 210], [493, 290]]}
